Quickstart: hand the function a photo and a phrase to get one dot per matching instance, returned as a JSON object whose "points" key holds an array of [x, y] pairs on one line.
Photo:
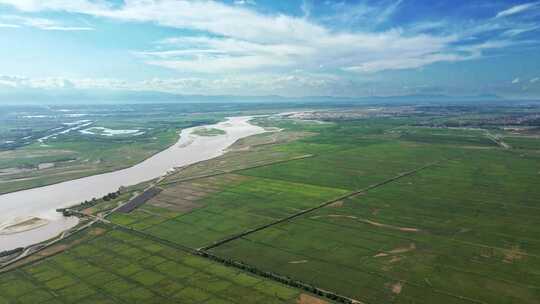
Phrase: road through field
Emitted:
{"points": [[327, 203], [42, 202]]}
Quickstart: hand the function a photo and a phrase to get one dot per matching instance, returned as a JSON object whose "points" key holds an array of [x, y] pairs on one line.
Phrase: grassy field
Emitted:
{"points": [[77, 157], [46, 151], [208, 132], [120, 267], [525, 143], [462, 231], [247, 203], [382, 210]]}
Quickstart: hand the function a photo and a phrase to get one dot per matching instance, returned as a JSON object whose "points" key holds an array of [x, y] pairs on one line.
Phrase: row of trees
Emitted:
{"points": [[111, 196], [11, 252], [282, 279], [94, 201], [270, 275], [90, 203]]}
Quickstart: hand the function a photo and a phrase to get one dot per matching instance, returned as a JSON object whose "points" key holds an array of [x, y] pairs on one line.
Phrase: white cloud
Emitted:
{"points": [[244, 2], [403, 63], [10, 81], [388, 11], [239, 40], [42, 23], [518, 31], [294, 83], [428, 26], [475, 50], [41, 83], [285, 84], [59, 5], [535, 80], [211, 55], [346, 14], [516, 80], [7, 25], [306, 8], [517, 9]]}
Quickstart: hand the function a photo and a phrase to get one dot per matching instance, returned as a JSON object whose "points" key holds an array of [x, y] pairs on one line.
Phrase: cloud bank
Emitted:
{"points": [[227, 47]]}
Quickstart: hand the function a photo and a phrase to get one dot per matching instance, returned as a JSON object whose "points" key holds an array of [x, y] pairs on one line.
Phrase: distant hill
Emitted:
{"points": [[115, 96]]}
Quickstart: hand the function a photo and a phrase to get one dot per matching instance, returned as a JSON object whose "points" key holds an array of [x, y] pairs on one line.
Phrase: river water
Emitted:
{"points": [[42, 202]]}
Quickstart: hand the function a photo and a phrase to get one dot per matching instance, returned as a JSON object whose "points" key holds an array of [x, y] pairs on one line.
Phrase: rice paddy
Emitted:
{"points": [[375, 210]]}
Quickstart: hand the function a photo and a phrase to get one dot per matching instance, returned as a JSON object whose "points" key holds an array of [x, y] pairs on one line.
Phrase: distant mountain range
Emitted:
{"points": [[91, 96]]}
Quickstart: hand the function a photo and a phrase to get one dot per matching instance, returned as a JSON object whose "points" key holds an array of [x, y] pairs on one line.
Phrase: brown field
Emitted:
{"points": [[183, 196]]}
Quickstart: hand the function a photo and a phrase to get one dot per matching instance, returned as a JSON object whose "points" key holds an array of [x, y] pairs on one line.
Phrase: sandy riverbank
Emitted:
{"points": [[42, 202]]}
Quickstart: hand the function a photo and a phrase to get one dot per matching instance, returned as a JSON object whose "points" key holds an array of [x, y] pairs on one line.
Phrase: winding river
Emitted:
{"points": [[42, 202]]}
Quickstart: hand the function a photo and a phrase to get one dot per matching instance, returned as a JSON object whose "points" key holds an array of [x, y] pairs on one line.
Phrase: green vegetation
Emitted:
{"points": [[53, 155], [453, 232], [121, 267], [526, 143], [208, 131], [391, 209], [457, 232], [462, 229], [249, 203]]}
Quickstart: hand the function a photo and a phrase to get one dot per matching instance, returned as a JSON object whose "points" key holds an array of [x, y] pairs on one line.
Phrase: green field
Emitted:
{"points": [[381, 210], [459, 232], [526, 143], [34, 161], [120, 267], [248, 204], [208, 132]]}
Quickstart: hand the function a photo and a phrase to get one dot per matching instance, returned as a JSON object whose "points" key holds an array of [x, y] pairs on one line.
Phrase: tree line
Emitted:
{"points": [[280, 278], [90, 203]]}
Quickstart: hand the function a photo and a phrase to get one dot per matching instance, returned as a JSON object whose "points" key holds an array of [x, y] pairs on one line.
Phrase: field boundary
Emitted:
{"points": [[9, 266], [300, 213], [202, 252], [235, 170], [243, 267]]}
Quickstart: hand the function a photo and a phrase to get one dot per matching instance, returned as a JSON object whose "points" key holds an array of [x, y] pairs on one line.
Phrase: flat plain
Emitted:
{"points": [[112, 266], [393, 209]]}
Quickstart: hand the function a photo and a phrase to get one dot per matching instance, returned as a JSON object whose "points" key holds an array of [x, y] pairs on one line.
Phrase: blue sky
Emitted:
{"points": [[262, 47]]}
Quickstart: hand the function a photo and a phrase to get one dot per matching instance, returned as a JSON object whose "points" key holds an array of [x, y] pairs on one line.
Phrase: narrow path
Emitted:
{"points": [[300, 213], [32, 249], [497, 139], [172, 182], [202, 252]]}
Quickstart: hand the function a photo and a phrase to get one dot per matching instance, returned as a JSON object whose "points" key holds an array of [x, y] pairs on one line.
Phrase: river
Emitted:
{"points": [[42, 202]]}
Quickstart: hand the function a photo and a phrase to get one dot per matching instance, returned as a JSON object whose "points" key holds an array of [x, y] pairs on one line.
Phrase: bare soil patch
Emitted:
{"points": [[377, 224], [97, 231], [25, 225], [53, 250], [398, 250], [396, 288], [395, 259], [337, 204], [513, 254], [358, 195], [334, 216], [185, 196], [411, 247], [298, 262], [370, 222], [307, 299], [56, 248]]}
